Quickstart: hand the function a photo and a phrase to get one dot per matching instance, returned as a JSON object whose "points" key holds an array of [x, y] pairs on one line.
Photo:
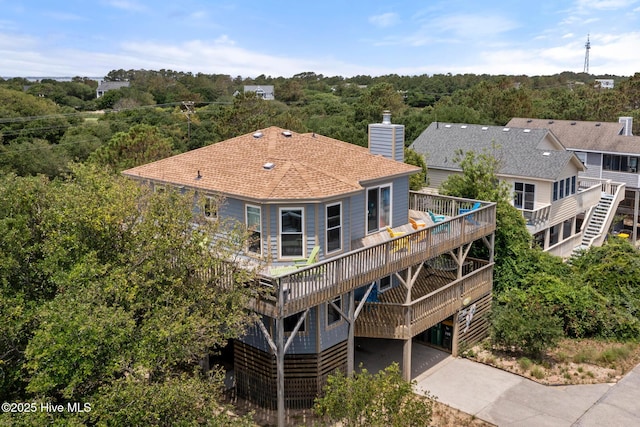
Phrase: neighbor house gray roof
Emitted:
{"points": [[106, 86], [602, 137], [527, 153]]}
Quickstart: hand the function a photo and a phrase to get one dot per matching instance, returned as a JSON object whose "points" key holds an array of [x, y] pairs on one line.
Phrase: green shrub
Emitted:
{"points": [[526, 326], [383, 399]]}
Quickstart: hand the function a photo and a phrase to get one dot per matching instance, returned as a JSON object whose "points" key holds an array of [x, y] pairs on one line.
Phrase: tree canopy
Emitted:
{"points": [[108, 291]]}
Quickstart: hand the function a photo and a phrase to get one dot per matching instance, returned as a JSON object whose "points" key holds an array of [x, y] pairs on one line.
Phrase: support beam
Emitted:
{"points": [[351, 346], [635, 217]]}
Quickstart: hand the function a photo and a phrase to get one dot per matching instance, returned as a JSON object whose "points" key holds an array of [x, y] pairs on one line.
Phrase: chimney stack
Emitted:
{"points": [[628, 125], [387, 139]]}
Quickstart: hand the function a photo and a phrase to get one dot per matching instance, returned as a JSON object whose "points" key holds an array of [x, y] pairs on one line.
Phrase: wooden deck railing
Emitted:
{"points": [[389, 320], [324, 281]]}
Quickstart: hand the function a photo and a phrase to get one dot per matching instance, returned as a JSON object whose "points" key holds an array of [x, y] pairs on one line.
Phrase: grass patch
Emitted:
{"points": [[614, 354], [585, 355], [537, 372], [524, 363]]}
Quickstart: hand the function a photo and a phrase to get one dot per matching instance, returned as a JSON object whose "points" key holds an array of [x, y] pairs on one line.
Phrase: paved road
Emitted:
{"points": [[506, 399]]}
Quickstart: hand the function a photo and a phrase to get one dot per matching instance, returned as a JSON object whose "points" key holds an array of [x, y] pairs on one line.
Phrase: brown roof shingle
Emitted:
{"points": [[585, 135], [306, 167]]}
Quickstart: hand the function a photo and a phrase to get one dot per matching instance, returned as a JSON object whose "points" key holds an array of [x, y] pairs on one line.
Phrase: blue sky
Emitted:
{"points": [[346, 38]]}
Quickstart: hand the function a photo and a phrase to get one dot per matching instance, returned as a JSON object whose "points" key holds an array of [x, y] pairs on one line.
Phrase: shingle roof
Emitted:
{"points": [[106, 86], [586, 135], [306, 167], [521, 152]]}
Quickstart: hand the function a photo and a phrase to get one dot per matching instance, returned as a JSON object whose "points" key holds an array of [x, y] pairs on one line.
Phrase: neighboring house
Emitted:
{"points": [[265, 92], [307, 194], [105, 87], [542, 174], [609, 151], [604, 83]]}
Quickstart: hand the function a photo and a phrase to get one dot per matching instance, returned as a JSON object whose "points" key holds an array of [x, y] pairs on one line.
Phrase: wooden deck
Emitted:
{"points": [[436, 295], [324, 281]]}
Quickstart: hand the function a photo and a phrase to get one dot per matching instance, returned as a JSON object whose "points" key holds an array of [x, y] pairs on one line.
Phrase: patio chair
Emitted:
{"points": [[469, 218], [279, 271], [399, 244], [437, 219], [311, 259], [417, 224]]}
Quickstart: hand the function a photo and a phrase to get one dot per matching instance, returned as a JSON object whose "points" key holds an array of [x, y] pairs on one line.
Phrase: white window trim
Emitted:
{"points": [[213, 201], [386, 288], [366, 216], [326, 228], [302, 226], [246, 222], [524, 192]]}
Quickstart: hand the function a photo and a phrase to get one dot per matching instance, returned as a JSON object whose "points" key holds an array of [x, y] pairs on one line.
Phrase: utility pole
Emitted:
{"points": [[188, 111]]}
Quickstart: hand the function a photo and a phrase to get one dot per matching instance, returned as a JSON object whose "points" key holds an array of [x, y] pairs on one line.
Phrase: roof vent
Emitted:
{"points": [[485, 127], [550, 122], [257, 135], [463, 127], [546, 153], [597, 124], [447, 126], [573, 123], [505, 130], [527, 131], [286, 133], [268, 166], [529, 120]]}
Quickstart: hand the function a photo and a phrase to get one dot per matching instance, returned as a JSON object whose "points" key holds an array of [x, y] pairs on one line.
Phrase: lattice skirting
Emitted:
{"points": [[304, 375], [473, 322]]}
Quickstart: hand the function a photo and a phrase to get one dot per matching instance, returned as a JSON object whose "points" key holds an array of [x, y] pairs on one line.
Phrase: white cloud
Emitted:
{"points": [[385, 20], [473, 26], [62, 16], [605, 4], [128, 5]]}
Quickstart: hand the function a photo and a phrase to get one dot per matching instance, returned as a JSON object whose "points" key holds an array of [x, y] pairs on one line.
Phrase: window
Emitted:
{"points": [[210, 207], [618, 163], [524, 196], [334, 227], [378, 208], [290, 323], [567, 227], [333, 315], [254, 225], [554, 234], [291, 232], [384, 283], [564, 188]]}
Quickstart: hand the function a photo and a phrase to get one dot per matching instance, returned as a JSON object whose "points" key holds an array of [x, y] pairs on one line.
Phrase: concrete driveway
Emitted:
{"points": [[506, 399]]}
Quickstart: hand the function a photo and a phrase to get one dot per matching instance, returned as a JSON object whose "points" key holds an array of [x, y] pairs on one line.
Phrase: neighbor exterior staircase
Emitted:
{"points": [[599, 221]]}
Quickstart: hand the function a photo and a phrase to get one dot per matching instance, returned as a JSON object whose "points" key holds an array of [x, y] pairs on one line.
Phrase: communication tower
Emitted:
{"points": [[587, 46]]}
